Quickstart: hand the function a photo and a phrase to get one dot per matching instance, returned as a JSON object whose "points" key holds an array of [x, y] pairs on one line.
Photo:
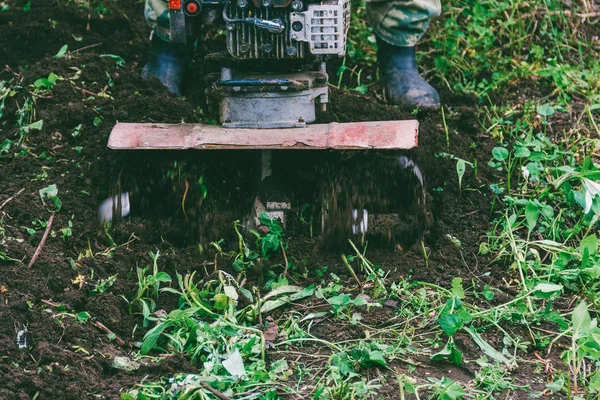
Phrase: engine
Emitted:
{"points": [[274, 72], [291, 30]]}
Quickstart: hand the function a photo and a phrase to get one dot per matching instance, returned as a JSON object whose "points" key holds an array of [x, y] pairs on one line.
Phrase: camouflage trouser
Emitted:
{"points": [[401, 23]]}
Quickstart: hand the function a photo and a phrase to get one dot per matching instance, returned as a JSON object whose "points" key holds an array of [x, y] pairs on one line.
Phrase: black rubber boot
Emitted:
{"points": [[404, 86], [167, 63]]}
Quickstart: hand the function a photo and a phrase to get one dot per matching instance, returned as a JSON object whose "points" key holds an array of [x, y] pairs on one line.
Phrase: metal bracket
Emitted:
{"points": [[177, 26]]}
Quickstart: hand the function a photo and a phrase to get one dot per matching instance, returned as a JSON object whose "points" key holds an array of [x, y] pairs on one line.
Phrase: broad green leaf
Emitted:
{"points": [[83, 317], [449, 351], [457, 288], [37, 125], [273, 304], [362, 89], [487, 293], [359, 301], [592, 189], [550, 243], [231, 292], [460, 170], [61, 53], [581, 320], [247, 294], [522, 152], [455, 356], [376, 356], [532, 214], [451, 324], [445, 352], [6, 145], [221, 301], [163, 277], [286, 289], [500, 153], [452, 390], [592, 272], [547, 288], [235, 364], [589, 243], [339, 300], [238, 265], [545, 110], [51, 192], [152, 336]]}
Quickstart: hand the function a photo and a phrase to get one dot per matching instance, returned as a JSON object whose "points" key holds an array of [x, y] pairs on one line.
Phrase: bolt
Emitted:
{"points": [[297, 5], [242, 3], [297, 26], [291, 51], [266, 3]]}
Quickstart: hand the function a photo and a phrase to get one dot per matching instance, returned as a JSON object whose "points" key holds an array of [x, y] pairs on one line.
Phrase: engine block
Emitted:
{"points": [[306, 31]]}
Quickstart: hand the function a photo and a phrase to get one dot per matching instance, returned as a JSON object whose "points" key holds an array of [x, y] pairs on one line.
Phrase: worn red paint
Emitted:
{"points": [[391, 135]]}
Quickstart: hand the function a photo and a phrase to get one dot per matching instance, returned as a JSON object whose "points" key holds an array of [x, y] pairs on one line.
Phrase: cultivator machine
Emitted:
{"points": [[267, 85]]}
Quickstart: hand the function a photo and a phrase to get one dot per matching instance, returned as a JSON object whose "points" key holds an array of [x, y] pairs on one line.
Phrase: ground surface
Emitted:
{"points": [[73, 334]]}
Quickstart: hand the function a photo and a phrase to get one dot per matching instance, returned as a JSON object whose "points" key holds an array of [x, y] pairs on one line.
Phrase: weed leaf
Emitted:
{"points": [[51, 193], [457, 288], [582, 322], [487, 348], [152, 336], [499, 153], [545, 110], [235, 365], [450, 324], [589, 243], [452, 391], [460, 170], [532, 213], [61, 53]]}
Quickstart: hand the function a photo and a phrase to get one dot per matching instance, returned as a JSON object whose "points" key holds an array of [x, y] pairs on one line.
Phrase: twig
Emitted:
{"points": [[42, 242], [86, 47], [285, 270], [5, 202], [347, 264], [103, 327], [214, 391], [85, 91], [50, 303]]}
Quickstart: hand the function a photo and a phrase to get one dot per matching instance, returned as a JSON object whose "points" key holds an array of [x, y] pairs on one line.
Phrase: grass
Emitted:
{"points": [[531, 70]]}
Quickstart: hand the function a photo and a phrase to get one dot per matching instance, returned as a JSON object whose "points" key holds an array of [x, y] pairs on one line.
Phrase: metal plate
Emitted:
{"points": [[385, 135]]}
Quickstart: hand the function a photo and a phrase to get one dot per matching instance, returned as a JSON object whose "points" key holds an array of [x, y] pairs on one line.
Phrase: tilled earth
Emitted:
{"points": [[64, 359]]}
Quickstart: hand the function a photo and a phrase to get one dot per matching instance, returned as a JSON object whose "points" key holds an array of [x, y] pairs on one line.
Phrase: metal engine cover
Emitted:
{"points": [[292, 109]]}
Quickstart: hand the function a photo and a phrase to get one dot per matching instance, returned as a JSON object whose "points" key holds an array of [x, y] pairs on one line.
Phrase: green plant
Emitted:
{"points": [[585, 345], [148, 287], [103, 285], [51, 193]]}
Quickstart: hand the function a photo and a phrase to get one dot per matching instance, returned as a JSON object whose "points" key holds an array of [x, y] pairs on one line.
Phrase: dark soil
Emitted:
{"points": [[65, 359]]}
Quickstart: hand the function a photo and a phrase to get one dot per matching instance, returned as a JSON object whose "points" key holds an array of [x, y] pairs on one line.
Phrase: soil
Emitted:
{"points": [[66, 359]]}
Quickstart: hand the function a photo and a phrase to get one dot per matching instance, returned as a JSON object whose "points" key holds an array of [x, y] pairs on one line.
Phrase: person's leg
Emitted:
{"points": [[398, 26], [167, 60]]}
